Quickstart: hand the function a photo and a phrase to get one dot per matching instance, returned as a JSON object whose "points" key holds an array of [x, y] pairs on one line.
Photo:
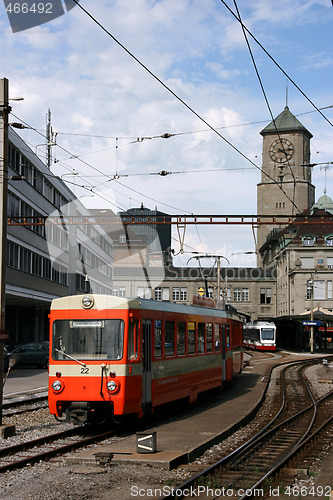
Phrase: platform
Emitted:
{"points": [[183, 439]]}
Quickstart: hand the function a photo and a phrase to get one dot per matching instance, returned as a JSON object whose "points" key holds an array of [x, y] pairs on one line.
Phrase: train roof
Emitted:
{"points": [[260, 323], [113, 302]]}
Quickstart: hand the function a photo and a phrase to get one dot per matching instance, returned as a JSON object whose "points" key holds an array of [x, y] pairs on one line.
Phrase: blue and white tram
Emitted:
{"points": [[260, 335]]}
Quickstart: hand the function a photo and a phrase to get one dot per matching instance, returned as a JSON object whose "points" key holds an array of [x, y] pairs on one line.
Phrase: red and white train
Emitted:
{"points": [[260, 335], [112, 356]]}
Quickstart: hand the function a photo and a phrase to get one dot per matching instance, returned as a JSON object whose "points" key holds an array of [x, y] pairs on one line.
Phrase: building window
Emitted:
{"points": [[308, 241], [13, 205], [265, 295], [122, 291], [329, 241], [48, 190], [319, 290], [122, 238], [56, 198], [144, 292], [158, 293], [25, 260], [12, 255], [307, 262], [166, 294], [37, 263], [179, 294], [241, 295]]}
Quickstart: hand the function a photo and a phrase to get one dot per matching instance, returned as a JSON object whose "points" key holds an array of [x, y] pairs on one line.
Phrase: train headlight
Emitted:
{"points": [[112, 386], [56, 386], [87, 302]]}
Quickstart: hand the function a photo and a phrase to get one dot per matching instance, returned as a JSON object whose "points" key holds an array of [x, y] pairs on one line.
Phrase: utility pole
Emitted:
{"points": [[205, 278], [311, 317], [49, 138], [4, 112]]}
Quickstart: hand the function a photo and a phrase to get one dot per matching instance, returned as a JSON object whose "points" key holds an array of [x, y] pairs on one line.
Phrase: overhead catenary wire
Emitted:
{"points": [[179, 98], [137, 139], [169, 135], [276, 63], [267, 102]]}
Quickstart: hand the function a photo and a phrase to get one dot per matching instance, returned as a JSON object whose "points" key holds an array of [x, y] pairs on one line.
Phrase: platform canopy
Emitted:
{"points": [[318, 313]]}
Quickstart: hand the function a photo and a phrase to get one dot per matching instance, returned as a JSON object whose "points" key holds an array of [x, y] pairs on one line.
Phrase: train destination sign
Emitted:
{"points": [[311, 323]]}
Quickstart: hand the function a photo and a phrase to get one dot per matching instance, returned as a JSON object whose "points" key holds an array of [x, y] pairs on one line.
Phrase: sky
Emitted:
{"points": [[148, 68]]}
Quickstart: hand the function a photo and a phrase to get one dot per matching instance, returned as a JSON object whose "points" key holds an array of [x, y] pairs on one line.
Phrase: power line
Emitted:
{"points": [[180, 99], [275, 62], [267, 103]]}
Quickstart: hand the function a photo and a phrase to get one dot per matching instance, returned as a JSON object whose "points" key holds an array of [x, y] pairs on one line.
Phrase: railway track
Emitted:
{"points": [[249, 471], [26, 407], [47, 447], [27, 404]]}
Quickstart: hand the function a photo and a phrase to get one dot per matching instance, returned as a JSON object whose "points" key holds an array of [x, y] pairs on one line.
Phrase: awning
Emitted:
{"points": [[318, 313]]}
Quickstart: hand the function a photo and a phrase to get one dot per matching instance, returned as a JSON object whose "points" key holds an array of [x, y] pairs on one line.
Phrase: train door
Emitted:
{"points": [[224, 353], [146, 366]]}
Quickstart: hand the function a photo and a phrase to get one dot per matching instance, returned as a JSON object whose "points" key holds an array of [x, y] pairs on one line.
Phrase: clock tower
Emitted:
{"points": [[285, 187]]}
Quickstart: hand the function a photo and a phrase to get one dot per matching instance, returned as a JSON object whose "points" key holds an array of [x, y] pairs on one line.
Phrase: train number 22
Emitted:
{"points": [[84, 370]]}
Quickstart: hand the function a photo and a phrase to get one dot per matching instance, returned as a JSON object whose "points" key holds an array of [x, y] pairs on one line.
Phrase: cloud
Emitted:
{"points": [[92, 86]]}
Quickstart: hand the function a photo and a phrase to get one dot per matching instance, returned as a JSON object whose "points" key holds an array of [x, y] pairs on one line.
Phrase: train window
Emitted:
{"points": [[158, 338], [217, 338], [180, 337], [133, 340], [169, 338], [191, 338], [88, 339], [228, 335], [201, 337], [209, 337], [267, 333]]}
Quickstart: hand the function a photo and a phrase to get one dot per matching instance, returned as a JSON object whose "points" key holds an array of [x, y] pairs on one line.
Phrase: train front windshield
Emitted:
{"points": [[267, 334], [88, 339]]}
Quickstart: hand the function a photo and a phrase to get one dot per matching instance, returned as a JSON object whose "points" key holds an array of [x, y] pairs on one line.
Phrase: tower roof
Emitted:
{"points": [[324, 203], [285, 122]]}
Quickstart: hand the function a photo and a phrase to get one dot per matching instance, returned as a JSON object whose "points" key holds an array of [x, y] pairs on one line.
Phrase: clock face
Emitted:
{"points": [[281, 150]]}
